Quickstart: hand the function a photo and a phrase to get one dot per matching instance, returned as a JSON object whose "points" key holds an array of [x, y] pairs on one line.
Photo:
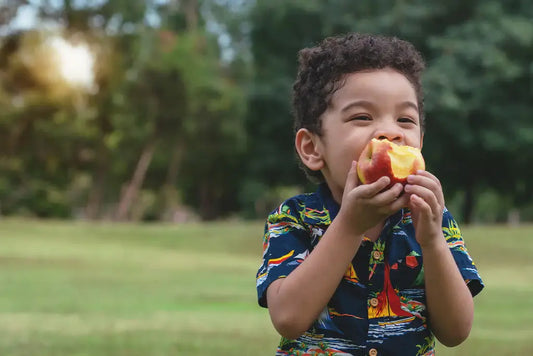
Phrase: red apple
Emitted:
{"points": [[385, 158]]}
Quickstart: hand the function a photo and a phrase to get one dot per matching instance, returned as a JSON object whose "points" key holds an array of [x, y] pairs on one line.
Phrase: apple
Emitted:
{"points": [[385, 158]]}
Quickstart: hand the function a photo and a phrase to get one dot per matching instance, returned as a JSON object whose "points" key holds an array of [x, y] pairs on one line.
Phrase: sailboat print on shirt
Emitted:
{"points": [[389, 303]]}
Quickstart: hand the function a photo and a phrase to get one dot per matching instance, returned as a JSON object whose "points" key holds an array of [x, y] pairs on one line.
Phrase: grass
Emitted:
{"points": [[100, 289]]}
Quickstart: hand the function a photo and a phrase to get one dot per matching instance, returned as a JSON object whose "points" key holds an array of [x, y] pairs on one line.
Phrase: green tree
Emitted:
{"points": [[167, 116], [479, 81], [43, 127], [479, 59]]}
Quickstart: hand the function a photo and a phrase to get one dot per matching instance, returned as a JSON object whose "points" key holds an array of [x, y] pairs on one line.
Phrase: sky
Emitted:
{"points": [[26, 18], [75, 61], [27, 15]]}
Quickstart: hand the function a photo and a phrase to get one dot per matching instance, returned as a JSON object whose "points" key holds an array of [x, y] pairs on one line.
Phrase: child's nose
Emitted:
{"points": [[390, 134]]}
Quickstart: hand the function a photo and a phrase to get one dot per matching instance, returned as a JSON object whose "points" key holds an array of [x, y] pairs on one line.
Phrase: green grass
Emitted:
{"points": [[100, 289]]}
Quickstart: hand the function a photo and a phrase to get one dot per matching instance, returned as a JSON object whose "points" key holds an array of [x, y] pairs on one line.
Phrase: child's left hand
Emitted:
{"points": [[426, 202]]}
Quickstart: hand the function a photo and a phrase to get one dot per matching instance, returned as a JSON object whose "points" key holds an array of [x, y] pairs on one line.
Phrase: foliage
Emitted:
{"points": [[478, 85], [482, 79], [162, 97], [191, 105]]}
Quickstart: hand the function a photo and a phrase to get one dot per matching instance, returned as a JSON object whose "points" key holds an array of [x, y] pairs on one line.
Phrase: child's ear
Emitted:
{"points": [[308, 148]]}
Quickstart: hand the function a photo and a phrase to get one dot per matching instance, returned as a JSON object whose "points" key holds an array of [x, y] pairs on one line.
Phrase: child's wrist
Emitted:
{"points": [[349, 227], [434, 244]]}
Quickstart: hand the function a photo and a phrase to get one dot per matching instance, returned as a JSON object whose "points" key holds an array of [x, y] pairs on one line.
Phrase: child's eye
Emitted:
{"points": [[406, 120], [361, 118]]}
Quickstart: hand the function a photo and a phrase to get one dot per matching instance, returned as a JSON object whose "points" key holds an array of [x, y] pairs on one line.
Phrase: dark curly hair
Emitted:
{"points": [[322, 70]]}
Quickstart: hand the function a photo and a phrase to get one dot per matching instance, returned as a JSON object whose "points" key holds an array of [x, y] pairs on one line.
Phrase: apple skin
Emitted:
{"points": [[385, 158]]}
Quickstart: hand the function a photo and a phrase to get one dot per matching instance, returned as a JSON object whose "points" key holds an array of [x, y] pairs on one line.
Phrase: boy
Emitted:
{"points": [[357, 269]]}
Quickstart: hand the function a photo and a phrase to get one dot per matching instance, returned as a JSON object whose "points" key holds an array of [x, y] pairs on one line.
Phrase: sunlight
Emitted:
{"points": [[75, 63]]}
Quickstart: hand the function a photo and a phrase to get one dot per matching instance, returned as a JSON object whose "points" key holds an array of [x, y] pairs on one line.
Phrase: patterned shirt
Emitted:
{"points": [[379, 307]]}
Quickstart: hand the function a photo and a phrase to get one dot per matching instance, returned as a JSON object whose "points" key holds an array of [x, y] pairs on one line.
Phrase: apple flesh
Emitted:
{"points": [[385, 158]]}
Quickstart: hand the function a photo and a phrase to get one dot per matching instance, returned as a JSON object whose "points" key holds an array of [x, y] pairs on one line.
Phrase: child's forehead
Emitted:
{"points": [[371, 82], [340, 81], [370, 73]]}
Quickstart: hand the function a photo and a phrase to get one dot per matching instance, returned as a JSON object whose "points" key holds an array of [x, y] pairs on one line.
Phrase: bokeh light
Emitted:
{"points": [[75, 62]]}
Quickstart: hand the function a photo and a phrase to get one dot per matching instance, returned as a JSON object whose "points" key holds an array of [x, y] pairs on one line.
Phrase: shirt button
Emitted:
{"points": [[372, 352], [374, 302], [376, 255]]}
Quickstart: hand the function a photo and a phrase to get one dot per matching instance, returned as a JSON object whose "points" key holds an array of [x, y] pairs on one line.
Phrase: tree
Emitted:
{"points": [[166, 113], [212, 135], [480, 82], [477, 53]]}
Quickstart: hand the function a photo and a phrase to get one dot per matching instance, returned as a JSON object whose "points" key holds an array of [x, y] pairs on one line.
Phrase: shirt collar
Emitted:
{"points": [[331, 205]]}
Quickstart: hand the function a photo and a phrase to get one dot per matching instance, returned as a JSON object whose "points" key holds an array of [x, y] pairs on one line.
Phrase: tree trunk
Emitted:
{"points": [[191, 14], [68, 14], [96, 194], [174, 165], [206, 207], [132, 189], [468, 204], [95, 200]]}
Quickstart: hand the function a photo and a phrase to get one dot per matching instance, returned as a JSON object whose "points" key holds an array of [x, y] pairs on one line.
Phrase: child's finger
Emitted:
{"points": [[428, 175], [352, 180], [429, 181], [371, 189], [418, 204], [401, 202], [422, 179], [428, 196], [388, 196]]}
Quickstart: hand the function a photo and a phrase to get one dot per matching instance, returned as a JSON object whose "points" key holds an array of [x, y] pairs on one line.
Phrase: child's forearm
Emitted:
{"points": [[296, 301], [449, 301]]}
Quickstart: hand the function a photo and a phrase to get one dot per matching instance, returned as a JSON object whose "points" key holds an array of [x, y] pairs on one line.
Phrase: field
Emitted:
{"points": [[101, 289]]}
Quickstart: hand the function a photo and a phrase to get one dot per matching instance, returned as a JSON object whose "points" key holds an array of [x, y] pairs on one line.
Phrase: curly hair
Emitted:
{"points": [[322, 70]]}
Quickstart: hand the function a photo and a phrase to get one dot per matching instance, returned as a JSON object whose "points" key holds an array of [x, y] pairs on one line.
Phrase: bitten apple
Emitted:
{"points": [[385, 158]]}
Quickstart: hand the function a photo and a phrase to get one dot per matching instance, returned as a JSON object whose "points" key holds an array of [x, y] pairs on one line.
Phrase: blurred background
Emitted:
{"points": [[180, 110], [174, 116]]}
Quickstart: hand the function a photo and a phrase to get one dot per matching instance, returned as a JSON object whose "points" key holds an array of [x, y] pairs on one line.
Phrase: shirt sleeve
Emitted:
{"points": [[466, 265], [285, 246]]}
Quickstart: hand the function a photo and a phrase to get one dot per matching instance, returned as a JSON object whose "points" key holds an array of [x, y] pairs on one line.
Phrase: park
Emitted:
{"points": [[156, 289], [144, 143]]}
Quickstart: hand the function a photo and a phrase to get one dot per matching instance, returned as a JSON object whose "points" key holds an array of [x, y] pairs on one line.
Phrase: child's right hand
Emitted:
{"points": [[364, 206]]}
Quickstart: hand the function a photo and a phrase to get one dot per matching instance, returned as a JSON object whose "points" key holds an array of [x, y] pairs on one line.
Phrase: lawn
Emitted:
{"points": [[101, 289]]}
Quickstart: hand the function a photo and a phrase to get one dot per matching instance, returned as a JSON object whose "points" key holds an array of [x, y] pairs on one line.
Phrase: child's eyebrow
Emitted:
{"points": [[408, 104], [358, 103], [368, 104]]}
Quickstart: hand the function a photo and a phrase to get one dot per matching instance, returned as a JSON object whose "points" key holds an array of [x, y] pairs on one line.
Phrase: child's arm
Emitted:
{"points": [[449, 301], [296, 301]]}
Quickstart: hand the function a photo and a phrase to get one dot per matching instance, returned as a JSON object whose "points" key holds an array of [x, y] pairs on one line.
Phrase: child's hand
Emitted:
{"points": [[426, 202], [364, 206]]}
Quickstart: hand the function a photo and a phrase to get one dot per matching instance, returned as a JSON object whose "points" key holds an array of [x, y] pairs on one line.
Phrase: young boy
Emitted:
{"points": [[357, 269]]}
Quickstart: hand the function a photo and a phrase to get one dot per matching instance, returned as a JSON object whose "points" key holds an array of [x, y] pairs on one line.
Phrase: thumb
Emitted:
{"points": [[352, 180]]}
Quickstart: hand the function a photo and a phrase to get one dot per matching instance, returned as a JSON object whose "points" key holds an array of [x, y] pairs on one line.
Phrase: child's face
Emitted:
{"points": [[371, 104]]}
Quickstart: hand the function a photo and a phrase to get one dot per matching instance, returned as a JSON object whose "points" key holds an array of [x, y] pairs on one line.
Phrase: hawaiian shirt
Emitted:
{"points": [[379, 307]]}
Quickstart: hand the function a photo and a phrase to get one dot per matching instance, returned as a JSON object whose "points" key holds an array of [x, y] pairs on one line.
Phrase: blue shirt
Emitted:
{"points": [[379, 307]]}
